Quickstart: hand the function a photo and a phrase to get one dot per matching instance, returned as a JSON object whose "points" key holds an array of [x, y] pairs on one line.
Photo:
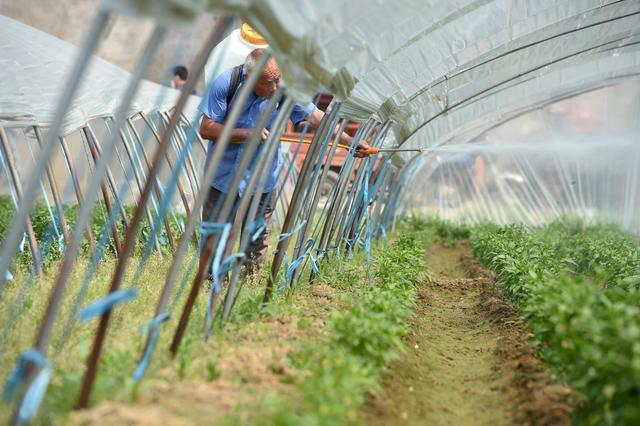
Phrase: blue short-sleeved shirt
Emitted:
{"points": [[214, 106]]}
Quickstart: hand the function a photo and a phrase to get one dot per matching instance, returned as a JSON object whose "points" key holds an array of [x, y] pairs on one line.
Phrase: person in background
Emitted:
{"points": [[179, 79]]}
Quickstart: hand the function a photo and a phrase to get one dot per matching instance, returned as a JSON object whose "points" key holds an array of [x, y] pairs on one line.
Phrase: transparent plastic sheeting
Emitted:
{"points": [[34, 67], [436, 68], [443, 71], [576, 157]]}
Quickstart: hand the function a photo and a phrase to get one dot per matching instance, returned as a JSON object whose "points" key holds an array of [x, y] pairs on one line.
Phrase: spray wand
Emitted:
{"points": [[364, 151]]}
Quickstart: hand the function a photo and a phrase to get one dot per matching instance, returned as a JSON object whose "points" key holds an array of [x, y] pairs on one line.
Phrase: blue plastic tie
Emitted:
{"points": [[349, 247], [367, 219], [34, 395], [8, 275], [101, 306], [307, 253], [256, 228], [297, 229], [286, 268], [33, 356], [61, 243], [314, 263], [23, 242], [216, 267], [229, 262], [383, 232], [154, 333], [294, 266], [321, 253], [209, 228]]}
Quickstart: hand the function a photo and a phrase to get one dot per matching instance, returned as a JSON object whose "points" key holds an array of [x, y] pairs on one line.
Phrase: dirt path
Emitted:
{"points": [[468, 360]]}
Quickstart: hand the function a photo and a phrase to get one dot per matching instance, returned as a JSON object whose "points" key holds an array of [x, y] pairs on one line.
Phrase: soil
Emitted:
{"points": [[253, 362], [468, 362], [468, 359]]}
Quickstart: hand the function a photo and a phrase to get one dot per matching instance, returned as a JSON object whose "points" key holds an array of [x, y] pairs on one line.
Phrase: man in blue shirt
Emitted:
{"points": [[215, 108]]}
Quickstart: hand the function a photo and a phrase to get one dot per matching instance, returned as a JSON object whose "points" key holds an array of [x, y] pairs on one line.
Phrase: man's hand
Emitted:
{"points": [[212, 130], [363, 150], [264, 135]]}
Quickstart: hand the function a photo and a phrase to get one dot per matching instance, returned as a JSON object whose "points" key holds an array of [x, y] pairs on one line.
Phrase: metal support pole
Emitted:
{"points": [[190, 170], [359, 205], [183, 196], [216, 158], [31, 235], [215, 36], [256, 186], [105, 191], [138, 174], [201, 142], [73, 82], [296, 199], [349, 208], [382, 180], [311, 209], [48, 145], [77, 188], [53, 183], [221, 146], [345, 178], [165, 220], [110, 179]]}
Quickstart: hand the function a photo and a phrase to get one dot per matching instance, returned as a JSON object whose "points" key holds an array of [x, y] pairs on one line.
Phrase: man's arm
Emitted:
{"points": [[212, 130], [214, 110], [316, 117]]}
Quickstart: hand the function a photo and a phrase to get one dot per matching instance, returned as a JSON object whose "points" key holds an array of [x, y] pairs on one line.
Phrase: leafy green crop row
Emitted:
{"points": [[362, 339], [579, 288], [45, 231]]}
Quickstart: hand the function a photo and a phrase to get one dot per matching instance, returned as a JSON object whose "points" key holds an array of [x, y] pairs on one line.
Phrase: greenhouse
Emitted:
{"points": [[409, 212]]}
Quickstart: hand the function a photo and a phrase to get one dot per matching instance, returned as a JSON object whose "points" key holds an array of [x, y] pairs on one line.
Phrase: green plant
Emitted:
{"points": [[213, 371], [7, 211], [448, 232], [363, 336], [577, 286]]}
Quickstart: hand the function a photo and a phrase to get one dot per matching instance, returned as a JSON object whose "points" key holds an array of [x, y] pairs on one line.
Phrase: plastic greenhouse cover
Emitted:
{"points": [[34, 67], [436, 67], [579, 156], [445, 72]]}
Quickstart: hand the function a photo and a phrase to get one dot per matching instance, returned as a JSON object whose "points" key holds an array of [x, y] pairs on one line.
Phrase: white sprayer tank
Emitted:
{"points": [[232, 51]]}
